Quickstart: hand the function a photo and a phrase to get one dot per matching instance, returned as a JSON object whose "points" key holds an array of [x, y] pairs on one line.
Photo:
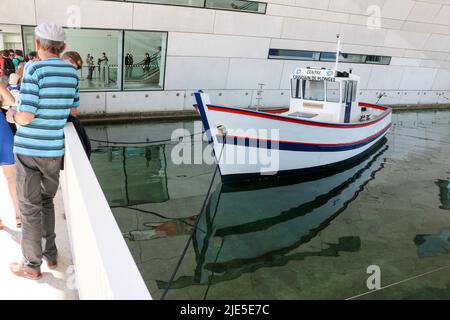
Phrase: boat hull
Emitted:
{"points": [[249, 144]]}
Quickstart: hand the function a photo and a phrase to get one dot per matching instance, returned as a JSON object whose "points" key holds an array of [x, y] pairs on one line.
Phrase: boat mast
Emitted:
{"points": [[338, 51]]}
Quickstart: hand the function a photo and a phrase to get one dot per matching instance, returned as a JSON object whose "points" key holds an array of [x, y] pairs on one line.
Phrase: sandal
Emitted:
{"points": [[18, 222]]}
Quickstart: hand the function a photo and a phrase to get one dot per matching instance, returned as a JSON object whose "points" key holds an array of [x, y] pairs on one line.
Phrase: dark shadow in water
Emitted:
{"points": [[259, 225], [444, 193], [431, 245]]}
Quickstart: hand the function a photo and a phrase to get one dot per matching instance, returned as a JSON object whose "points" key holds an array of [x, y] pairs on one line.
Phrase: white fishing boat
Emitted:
{"points": [[324, 126]]}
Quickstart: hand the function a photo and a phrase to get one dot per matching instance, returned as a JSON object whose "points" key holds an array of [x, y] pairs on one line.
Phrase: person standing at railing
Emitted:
{"points": [[49, 93], [128, 65], [147, 61], [104, 68], [91, 66], [158, 56], [6, 151], [76, 61]]}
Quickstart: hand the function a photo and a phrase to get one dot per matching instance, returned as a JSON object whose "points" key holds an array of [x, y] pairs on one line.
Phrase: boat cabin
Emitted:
{"points": [[325, 95]]}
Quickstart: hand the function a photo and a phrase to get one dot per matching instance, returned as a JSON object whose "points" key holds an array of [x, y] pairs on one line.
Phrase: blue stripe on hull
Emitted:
{"points": [[290, 146]]}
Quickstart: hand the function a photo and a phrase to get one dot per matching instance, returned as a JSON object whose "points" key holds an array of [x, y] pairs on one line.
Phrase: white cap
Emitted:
{"points": [[50, 31], [13, 79]]}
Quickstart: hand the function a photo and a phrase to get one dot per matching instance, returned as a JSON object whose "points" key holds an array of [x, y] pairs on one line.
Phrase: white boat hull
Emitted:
{"points": [[257, 143]]}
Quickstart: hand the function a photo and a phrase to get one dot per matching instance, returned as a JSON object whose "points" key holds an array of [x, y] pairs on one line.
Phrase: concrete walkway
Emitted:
{"points": [[55, 284]]}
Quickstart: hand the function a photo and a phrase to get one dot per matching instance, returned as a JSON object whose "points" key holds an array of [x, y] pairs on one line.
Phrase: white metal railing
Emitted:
{"points": [[104, 266]]}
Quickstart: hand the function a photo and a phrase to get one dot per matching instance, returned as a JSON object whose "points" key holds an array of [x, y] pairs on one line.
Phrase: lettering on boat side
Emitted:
{"points": [[314, 74], [227, 310]]}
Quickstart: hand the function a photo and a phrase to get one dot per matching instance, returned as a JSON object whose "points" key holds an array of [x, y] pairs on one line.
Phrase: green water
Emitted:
{"points": [[286, 239]]}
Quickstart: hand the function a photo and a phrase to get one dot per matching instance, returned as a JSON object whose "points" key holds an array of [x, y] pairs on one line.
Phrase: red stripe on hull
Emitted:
{"points": [[372, 106], [287, 119]]}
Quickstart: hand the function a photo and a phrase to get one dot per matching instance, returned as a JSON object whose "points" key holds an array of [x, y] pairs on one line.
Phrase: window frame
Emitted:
{"points": [[193, 6], [123, 62], [304, 90], [339, 90], [321, 53], [121, 88]]}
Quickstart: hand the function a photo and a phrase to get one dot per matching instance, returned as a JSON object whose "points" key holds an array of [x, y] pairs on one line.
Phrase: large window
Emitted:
{"points": [[188, 3], [115, 60], [10, 37], [235, 5], [144, 58], [305, 55]]}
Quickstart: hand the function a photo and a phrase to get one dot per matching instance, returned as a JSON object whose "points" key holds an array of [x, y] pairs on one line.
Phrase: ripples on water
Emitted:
{"points": [[287, 239]]}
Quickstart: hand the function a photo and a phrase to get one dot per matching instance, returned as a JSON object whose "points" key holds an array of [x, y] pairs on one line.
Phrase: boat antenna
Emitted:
{"points": [[338, 50]]}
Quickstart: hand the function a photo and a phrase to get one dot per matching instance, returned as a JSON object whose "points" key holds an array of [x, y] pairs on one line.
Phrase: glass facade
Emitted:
{"points": [[144, 60], [187, 3], [237, 5], [234, 5], [106, 58], [327, 56]]}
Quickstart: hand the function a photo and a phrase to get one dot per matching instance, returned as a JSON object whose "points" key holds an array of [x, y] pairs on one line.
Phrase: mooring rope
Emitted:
{"points": [[186, 247]]}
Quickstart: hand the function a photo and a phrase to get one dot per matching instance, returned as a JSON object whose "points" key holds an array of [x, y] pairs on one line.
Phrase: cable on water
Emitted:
{"points": [[125, 143], [172, 277]]}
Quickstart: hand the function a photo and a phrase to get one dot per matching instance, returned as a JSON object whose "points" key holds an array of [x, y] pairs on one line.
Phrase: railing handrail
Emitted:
{"points": [[104, 266]]}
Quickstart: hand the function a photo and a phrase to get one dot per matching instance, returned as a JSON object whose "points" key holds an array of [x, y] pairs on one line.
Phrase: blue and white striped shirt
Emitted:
{"points": [[49, 90]]}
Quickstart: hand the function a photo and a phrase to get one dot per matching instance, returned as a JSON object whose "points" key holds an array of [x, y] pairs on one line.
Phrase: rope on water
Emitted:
{"points": [[186, 247]]}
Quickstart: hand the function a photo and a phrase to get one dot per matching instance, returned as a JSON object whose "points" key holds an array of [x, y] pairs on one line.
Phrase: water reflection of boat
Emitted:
{"points": [[257, 225]]}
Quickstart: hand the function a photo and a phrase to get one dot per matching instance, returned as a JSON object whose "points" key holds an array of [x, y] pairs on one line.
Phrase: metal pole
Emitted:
{"points": [[338, 51]]}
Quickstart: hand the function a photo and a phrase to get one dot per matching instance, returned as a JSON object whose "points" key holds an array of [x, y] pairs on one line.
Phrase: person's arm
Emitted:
{"points": [[7, 97], [76, 103], [28, 98]]}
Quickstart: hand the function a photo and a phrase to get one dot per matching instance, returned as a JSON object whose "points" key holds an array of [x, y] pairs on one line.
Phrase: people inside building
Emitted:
{"points": [[128, 65], [147, 61], [158, 56], [91, 66]]}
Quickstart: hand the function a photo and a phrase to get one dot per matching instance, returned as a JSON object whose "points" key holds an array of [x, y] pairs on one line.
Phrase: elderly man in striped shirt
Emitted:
{"points": [[48, 95]]}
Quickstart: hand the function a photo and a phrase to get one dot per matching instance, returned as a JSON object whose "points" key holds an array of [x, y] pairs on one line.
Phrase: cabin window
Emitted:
{"points": [[295, 89], [313, 90], [355, 87], [332, 91], [346, 86]]}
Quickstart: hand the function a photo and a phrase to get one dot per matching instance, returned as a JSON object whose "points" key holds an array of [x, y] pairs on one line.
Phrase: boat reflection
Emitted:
{"points": [[262, 224]]}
